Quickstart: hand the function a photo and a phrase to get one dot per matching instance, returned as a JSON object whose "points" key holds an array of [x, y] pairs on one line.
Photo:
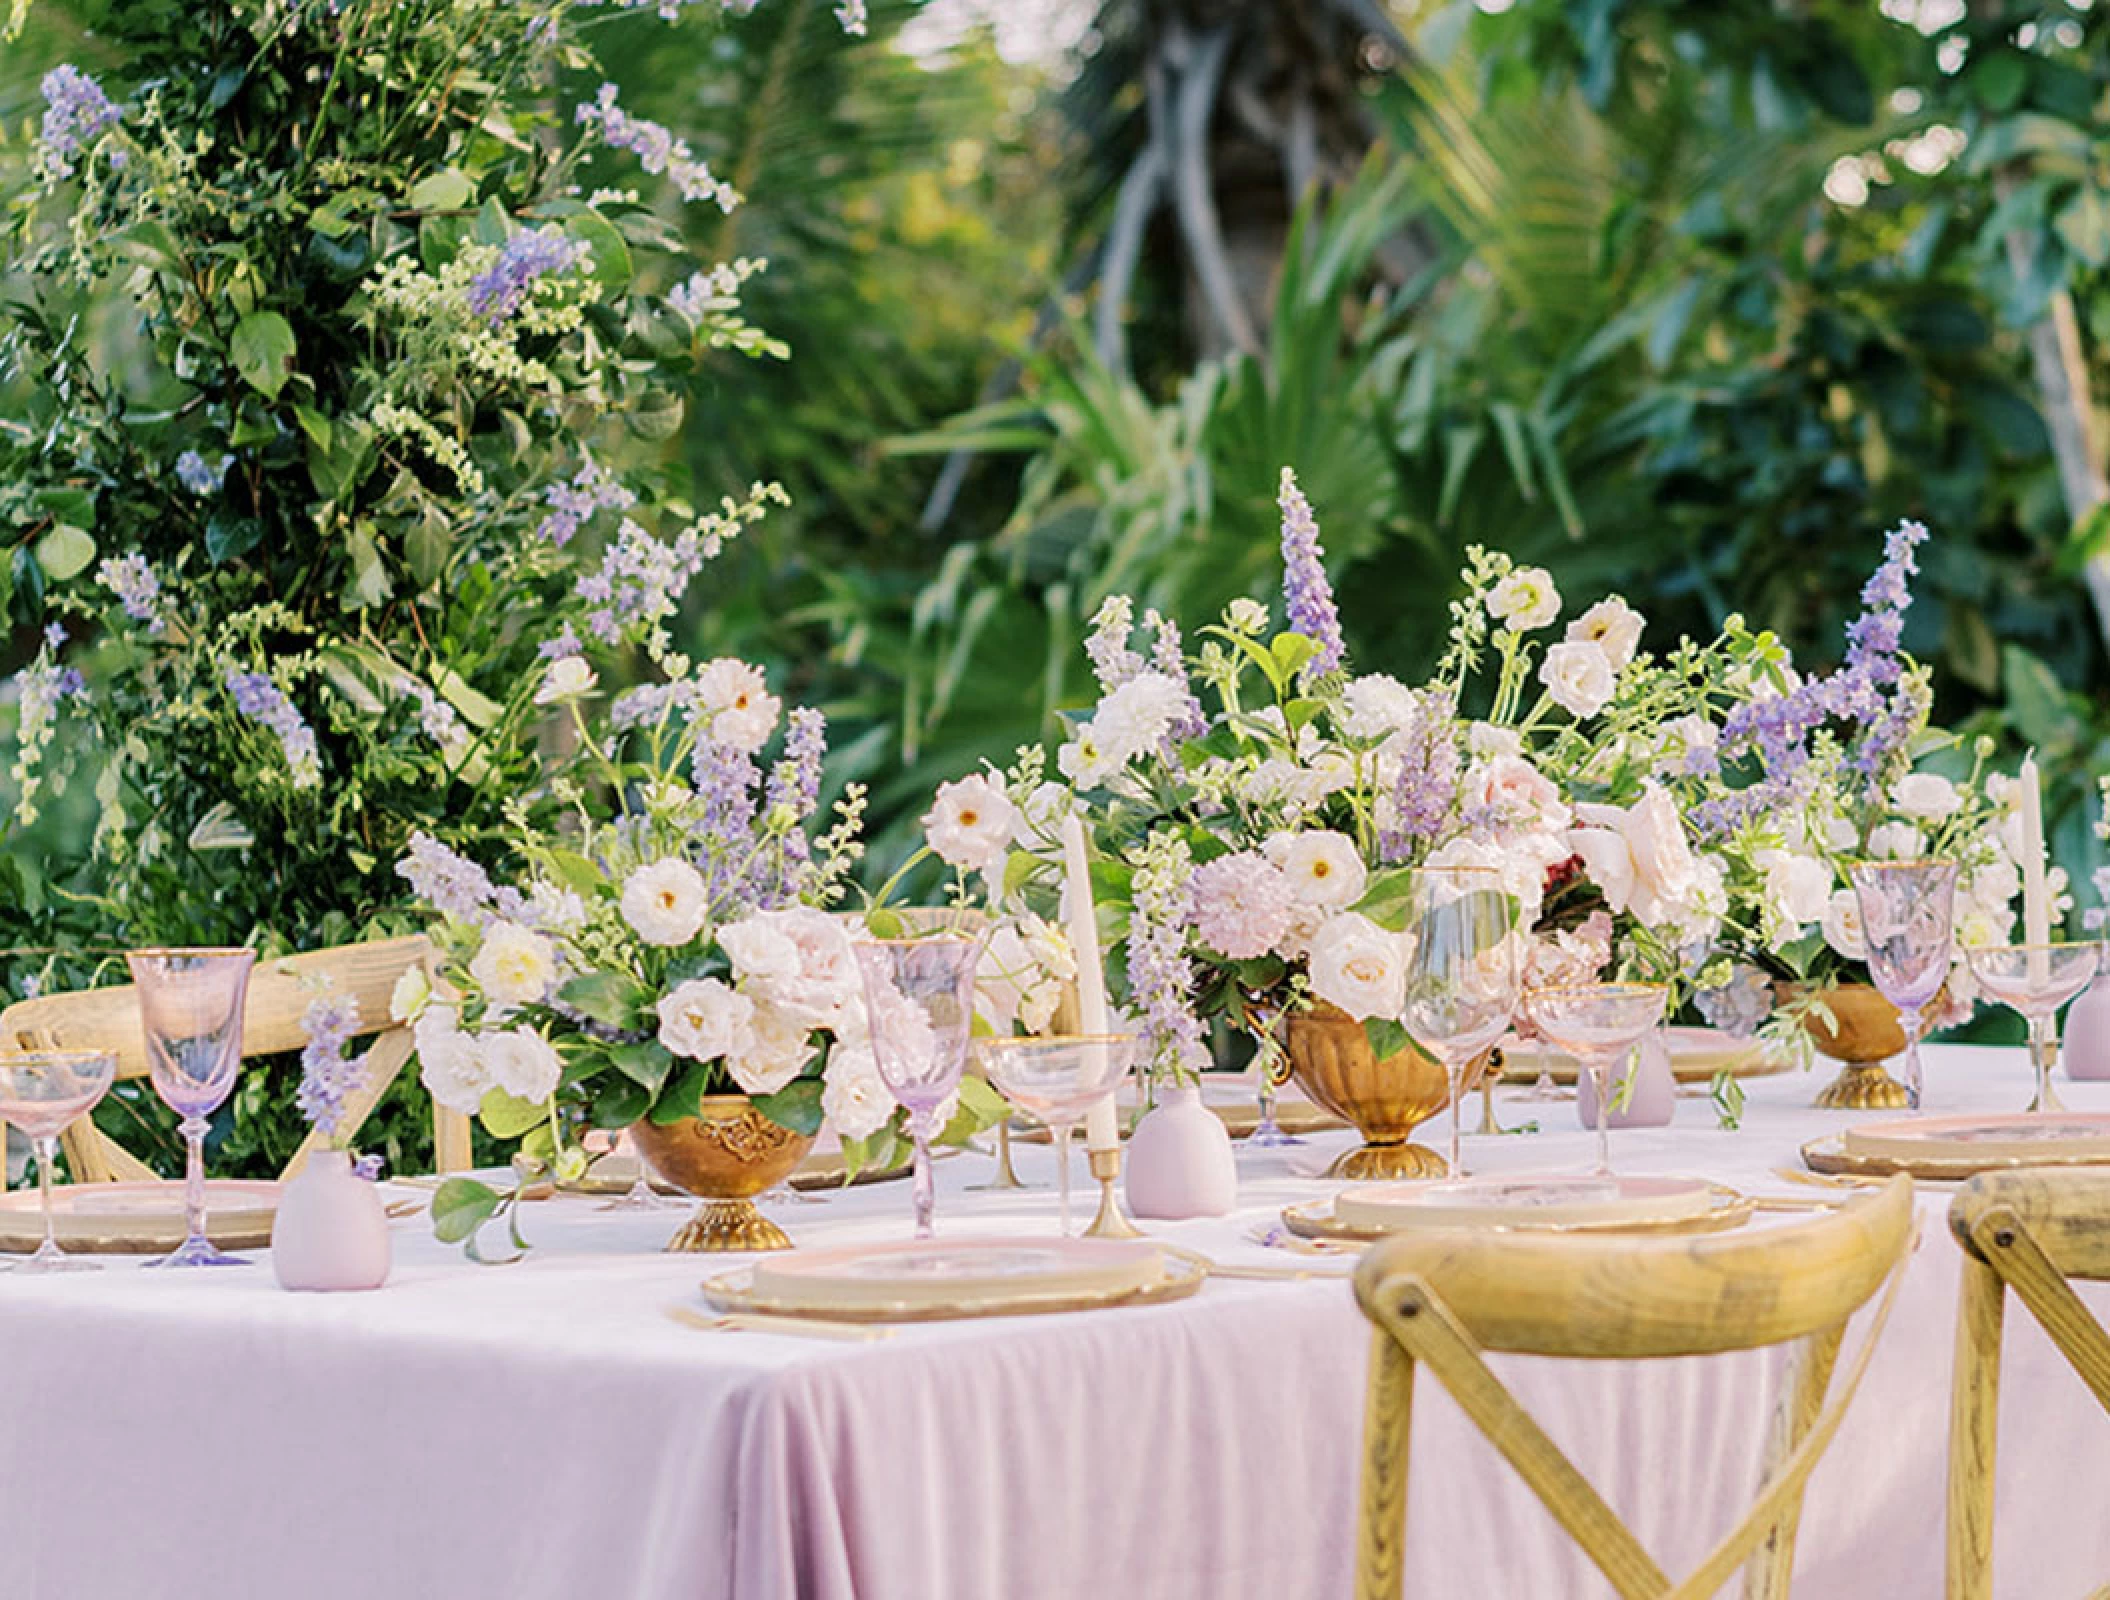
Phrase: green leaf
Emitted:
{"points": [[2083, 224], [460, 1206], [657, 414], [645, 1062], [477, 707], [506, 1116], [611, 257], [796, 1106], [367, 585], [613, 999], [76, 506], [2035, 702], [1292, 653], [684, 1092], [573, 871], [617, 1102], [65, 551], [1388, 897], [1387, 1038], [262, 350], [445, 190]]}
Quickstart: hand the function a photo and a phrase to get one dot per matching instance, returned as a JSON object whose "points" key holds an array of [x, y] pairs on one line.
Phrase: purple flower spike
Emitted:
{"points": [[1306, 595]]}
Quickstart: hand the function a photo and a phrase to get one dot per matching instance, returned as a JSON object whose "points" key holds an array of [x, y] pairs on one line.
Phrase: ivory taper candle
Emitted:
{"points": [[2036, 894], [1102, 1129]]}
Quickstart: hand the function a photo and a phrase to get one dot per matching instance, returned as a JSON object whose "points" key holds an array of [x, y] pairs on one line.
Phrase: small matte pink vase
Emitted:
{"points": [[331, 1231], [2085, 1045], [1179, 1160], [1655, 1094]]}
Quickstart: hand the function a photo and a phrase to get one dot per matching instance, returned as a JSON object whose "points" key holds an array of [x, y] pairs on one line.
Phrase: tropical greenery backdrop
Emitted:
{"points": [[1680, 297]]}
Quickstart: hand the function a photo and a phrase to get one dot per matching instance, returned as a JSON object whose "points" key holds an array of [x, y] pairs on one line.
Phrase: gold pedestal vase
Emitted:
{"points": [[725, 1155], [1864, 1034], [1331, 1057]]}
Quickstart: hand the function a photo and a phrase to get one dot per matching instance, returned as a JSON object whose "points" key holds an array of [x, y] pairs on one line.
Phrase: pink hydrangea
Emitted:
{"points": [[1242, 905]]}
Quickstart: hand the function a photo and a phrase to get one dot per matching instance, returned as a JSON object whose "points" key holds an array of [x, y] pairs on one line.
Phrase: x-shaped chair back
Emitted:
{"points": [[280, 991], [1443, 1299], [2029, 1232]]}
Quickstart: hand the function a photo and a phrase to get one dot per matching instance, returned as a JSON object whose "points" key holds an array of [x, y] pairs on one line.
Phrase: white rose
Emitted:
{"points": [[826, 962], [521, 1062], [666, 902], [1525, 600], [735, 697], [1323, 867], [1520, 864], [1639, 856], [1522, 798], [971, 824], [568, 678], [1356, 966], [1376, 707], [1797, 886], [448, 1061], [514, 967], [854, 1099], [704, 1019], [777, 1048], [1613, 626], [1579, 677], [758, 951], [1896, 841], [1842, 926], [1926, 796]]}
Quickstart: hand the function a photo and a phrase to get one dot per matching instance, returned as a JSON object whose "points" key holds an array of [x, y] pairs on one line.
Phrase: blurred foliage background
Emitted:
{"points": [[1684, 298]]}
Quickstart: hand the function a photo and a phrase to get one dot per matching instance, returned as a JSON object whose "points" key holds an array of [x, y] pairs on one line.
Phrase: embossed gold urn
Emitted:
{"points": [[1386, 1100], [1863, 1034], [725, 1155]]}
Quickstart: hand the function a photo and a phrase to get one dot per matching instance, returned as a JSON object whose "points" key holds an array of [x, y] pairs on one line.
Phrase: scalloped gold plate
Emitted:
{"points": [[1315, 1220], [1181, 1276], [1829, 1155]]}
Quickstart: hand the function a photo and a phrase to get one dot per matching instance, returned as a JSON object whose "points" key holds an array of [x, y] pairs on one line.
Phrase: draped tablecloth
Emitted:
{"points": [[546, 1429]]}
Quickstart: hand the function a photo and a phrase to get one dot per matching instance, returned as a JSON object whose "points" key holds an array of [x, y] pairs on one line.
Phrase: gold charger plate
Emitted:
{"points": [[138, 1218], [1315, 1220], [1181, 1275], [1696, 1061], [1828, 1154]]}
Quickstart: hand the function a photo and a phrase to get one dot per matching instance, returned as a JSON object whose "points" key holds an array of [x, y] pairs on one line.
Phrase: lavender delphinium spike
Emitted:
{"points": [[75, 111], [496, 293], [261, 700], [1307, 596], [327, 1076]]}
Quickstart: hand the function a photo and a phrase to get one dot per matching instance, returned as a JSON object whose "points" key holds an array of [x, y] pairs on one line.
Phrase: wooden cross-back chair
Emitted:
{"points": [[1442, 1299], [2030, 1232], [280, 990]]}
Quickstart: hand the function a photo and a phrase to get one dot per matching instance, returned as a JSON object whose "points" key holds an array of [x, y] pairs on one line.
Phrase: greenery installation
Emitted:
{"points": [[341, 344]]}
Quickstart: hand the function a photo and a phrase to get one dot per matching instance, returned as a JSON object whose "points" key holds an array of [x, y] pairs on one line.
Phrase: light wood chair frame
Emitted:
{"points": [[1444, 1299], [280, 991], [2032, 1232]]}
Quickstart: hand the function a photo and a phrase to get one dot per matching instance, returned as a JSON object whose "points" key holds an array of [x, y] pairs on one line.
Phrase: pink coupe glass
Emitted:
{"points": [[41, 1092]]}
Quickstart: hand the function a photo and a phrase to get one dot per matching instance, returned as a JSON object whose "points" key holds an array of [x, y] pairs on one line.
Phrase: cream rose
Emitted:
{"points": [[1639, 856], [776, 1050], [759, 951], [1797, 886], [705, 1019], [735, 697], [854, 1099], [1579, 677], [665, 902], [1356, 965], [448, 1061], [1842, 926], [521, 1062], [1926, 796]]}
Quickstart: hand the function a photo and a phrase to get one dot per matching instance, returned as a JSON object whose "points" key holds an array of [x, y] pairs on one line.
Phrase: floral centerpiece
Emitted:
{"points": [[670, 958]]}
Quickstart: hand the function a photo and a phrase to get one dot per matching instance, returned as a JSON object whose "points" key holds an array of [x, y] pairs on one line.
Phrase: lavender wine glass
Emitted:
{"points": [[1908, 919], [2035, 980], [41, 1091], [190, 1006], [1462, 975], [919, 993]]}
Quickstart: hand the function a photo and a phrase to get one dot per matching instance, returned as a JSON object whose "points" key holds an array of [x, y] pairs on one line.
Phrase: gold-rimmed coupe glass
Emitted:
{"points": [[1598, 1023], [2035, 980]]}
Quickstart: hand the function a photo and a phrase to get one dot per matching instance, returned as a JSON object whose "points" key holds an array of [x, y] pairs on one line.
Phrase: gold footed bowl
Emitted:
{"points": [[1868, 1034], [725, 1155], [1386, 1100]]}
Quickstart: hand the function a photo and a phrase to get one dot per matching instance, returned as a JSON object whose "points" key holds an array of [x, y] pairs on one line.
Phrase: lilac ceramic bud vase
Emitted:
{"points": [[1179, 1160], [1655, 1093], [2085, 1047], [331, 1231]]}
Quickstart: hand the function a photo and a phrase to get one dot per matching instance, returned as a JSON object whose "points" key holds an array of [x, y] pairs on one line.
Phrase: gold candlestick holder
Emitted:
{"points": [[1006, 1175], [1111, 1222]]}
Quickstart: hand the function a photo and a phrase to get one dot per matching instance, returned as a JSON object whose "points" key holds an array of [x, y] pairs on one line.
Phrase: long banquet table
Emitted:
{"points": [[547, 1429]]}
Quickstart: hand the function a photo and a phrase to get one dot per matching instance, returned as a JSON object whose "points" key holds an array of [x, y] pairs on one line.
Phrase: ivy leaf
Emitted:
{"points": [[797, 1105], [507, 1116], [262, 350], [460, 1206]]}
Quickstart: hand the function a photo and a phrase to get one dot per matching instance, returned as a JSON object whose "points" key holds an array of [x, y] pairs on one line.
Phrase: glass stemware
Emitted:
{"points": [[1058, 1080], [2035, 980], [1268, 1056], [1598, 1024], [41, 1092], [919, 993], [190, 1006], [1462, 974], [1907, 918], [641, 1195]]}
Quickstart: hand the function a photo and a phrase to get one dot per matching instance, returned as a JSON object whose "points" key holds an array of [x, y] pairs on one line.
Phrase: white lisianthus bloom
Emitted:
{"points": [[704, 1019], [1525, 600], [1798, 887], [514, 966], [408, 999], [971, 824], [1613, 626], [1357, 966], [759, 951], [1323, 867], [568, 678], [1375, 706], [1926, 797], [735, 697], [449, 1064], [1842, 925], [776, 1050], [1245, 616], [1896, 841], [854, 1099], [1579, 677], [1084, 759], [666, 902], [521, 1062]]}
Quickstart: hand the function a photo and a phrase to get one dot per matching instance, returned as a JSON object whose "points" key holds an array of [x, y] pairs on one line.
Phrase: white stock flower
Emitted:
{"points": [[704, 1019], [1323, 867], [1135, 717], [1896, 841], [1842, 925], [1356, 965], [568, 678], [1375, 706], [971, 824], [1578, 675], [759, 951], [521, 1062], [854, 1098], [514, 967], [1926, 797], [1486, 740], [1613, 626], [1525, 600], [448, 1061], [735, 697], [666, 902]]}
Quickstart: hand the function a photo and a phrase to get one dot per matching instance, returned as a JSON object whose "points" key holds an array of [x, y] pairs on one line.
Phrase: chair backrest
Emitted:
{"points": [[280, 992], [2029, 1231], [1443, 1298]]}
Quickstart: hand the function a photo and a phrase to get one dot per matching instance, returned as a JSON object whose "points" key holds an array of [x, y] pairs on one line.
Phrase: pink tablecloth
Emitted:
{"points": [[546, 1430]]}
